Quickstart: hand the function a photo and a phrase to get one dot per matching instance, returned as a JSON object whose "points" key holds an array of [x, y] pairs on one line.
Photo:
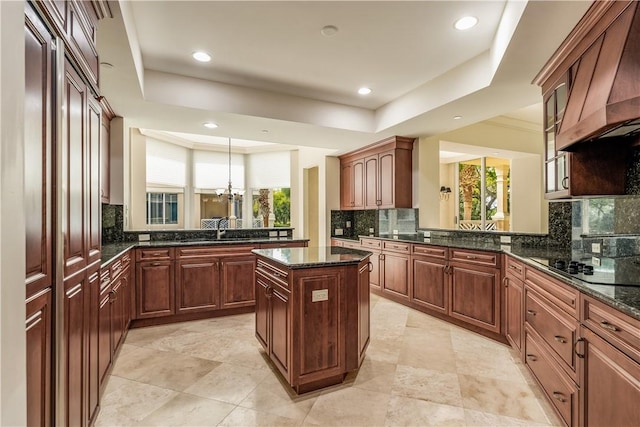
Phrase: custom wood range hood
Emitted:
{"points": [[600, 63]]}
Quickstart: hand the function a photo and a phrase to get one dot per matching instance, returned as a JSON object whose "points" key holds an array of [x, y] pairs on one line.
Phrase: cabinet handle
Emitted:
{"points": [[114, 296], [559, 396], [575, 348], [532, 357], [155, 264], [560, 339], [609, 326], [505, 282], [156, 254], [471, 257], [268, 291], [565, 182], [370, 266], [531, 312], [513, 267], [381, 257]]}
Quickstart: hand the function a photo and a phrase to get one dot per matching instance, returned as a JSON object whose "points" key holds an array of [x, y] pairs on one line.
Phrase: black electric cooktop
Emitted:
{"points": [[610, 271]]}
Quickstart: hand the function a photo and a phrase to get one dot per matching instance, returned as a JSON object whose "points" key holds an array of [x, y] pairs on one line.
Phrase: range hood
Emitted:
{"points": [[602, 73]]}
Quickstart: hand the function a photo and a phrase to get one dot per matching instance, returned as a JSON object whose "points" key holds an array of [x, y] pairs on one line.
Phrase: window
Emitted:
{"points": [[276, 201], [162, 208], [483, 194]]}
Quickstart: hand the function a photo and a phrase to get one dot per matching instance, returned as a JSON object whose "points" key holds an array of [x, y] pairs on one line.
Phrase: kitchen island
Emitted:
{"points": [[312, 312]]}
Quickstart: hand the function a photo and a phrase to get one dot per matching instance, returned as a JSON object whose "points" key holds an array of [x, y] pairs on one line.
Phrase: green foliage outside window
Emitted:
{"points": [[282, 207]]}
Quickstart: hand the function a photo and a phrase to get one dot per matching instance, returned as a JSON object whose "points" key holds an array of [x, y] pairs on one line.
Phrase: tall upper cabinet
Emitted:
{"points": [[63, 121], [590, 96], [377, 176]]}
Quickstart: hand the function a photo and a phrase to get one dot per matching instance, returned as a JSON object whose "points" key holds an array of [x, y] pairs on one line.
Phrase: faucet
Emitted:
{"points": [[218, 232]]}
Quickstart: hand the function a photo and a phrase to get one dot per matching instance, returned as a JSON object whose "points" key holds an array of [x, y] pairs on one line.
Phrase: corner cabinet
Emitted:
{"points": [[377, 176]]}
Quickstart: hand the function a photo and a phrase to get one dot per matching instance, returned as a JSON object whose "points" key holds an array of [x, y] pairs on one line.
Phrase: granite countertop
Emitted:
{"points": [[114, 250], [624, 298], [325, 256]]}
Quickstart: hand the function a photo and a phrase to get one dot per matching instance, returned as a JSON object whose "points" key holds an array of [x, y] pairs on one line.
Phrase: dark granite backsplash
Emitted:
{"points": [[112, 224], [191, 235], [632, 186], [354, 223]]}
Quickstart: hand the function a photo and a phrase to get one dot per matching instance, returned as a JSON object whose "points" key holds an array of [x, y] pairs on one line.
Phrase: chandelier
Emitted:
{"points": [[228, 192]]}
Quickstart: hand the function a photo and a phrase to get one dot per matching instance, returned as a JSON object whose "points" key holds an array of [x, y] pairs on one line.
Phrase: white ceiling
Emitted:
{"points": [[274, 77]]}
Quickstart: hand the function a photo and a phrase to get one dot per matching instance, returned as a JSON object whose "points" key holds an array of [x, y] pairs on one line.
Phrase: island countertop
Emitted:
{"points": [[322, 256]]}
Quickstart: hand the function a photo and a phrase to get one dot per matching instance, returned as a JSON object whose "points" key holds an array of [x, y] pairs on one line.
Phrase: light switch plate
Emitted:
{"points": [[282, 233], [370, 229], [595, 261], [395, 231], [348, 224], [426, 234], [338, 232], [144, 237], [273, 234], [595, 248], [505, 239]]}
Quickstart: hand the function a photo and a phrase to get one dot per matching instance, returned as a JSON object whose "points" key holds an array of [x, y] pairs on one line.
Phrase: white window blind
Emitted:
{"points": [[211, 170], [166, 164], [270, 170]]}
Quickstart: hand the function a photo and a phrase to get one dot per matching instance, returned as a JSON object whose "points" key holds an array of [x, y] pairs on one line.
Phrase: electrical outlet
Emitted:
{"points": [[426, 234], [273, 234], [348, 225], [395, 232], [595, 248], [144, 237], [282, 233], [505, 239], [595, 261], [370, 229], [339, 232]]}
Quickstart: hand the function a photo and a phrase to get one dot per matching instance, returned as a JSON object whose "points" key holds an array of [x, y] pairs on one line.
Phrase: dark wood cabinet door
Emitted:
{"points": [[374, 274], [38, 153], [263, 308], [386, 180], [514, 297], [155, 293], [475, 295], [126, 295], [280, 329], [105, 323], [364, 308], [39, 349], [429, 284], [94, 230], [358, 186], [238, 281], [93, 332], [75, 344], [74, 221], [371, 182], [346, 186], [117, 314], [105, 160], [610, 387], [396, 275], [197, 285]]}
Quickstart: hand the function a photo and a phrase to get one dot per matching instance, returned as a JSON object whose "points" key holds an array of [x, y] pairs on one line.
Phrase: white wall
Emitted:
{"points": [[447, 207], [12, 228], [328, 189], [429, 183], [529, 211]]}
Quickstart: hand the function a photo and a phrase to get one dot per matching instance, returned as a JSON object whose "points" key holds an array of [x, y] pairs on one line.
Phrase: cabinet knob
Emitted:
{"points": [[531, 312], [560, 339]]}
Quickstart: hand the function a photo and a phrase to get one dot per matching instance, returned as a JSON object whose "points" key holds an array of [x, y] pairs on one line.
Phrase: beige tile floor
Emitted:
{"points": [[419, 371]]}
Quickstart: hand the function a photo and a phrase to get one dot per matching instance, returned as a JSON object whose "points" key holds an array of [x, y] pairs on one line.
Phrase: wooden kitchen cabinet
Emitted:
{"points": [[155, 290], [105, 327], [514, 302], [377, 176], [237, 280], [610, 380], [475, 295], [105, 155], [395, 269], [430, 282], [197, 284], [374, 246], [38, 328]]}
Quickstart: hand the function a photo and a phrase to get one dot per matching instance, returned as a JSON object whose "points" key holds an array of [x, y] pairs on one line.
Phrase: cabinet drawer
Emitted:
{"points": [[116, 268], [396, 247], [619, 329], [154, 254], [432, 251], [352, 245], [211, 251], [557, 329], [561, 391], [273, 273], [283, 244], [105, 279], [514, 267], [555, 291], [475, 257], [126, 259], [371, 243]]}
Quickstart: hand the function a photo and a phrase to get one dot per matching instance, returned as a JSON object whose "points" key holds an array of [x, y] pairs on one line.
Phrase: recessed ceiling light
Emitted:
{"points": [[457, 117], [265, 131], [210, 125], [364, 91], [201, 56], [329, 30], [465, 23]]}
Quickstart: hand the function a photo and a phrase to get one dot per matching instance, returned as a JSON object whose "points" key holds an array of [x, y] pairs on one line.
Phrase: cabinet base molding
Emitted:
{"points": [[139, 323], [494, 336]]}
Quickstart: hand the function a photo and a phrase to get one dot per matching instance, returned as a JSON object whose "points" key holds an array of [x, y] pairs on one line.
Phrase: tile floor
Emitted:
{"points": [[419, 371]]}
